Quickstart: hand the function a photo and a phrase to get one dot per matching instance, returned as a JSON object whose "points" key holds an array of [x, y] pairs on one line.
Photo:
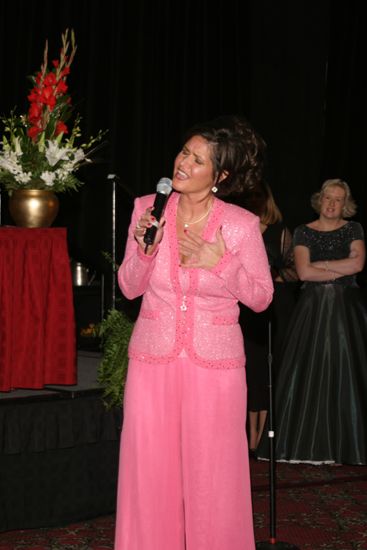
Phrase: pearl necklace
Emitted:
{"points": [[187, 224]]}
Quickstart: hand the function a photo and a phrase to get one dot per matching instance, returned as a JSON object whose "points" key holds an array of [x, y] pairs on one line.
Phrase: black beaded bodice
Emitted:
{"points": [[330, 245]]}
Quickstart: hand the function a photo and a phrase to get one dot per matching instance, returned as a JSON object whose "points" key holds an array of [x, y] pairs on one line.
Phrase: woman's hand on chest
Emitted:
{"points": [[196, 252]]}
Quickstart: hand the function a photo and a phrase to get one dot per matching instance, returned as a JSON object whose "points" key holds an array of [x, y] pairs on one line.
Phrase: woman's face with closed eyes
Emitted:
{"points": [[193, 168]]}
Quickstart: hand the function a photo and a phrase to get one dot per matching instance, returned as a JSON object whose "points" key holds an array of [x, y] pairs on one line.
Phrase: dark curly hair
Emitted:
{"points": [[236, 150]]}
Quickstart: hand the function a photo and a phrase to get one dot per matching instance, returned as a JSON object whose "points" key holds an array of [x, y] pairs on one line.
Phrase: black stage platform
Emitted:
{"points": [[58, 452]]}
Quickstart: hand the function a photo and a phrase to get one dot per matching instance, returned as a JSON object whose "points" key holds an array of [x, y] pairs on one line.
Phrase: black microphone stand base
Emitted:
{"points": [[275, 546], [272, 543]]}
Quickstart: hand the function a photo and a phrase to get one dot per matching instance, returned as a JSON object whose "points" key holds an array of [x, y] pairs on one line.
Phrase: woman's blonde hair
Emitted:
{"points": [[349, 208]]}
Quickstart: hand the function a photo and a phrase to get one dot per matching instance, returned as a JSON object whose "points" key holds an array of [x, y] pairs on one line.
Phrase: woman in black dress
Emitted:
{"points": [[278, 243], [320, 394]]}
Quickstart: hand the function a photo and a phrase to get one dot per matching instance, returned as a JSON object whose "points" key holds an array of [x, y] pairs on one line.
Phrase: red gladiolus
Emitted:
{"points": [[35, 112], [34, 95], [61, 87], [46, 93], [49, 87], [49, 80], [61, 128], [33, 132], [48, 97]]}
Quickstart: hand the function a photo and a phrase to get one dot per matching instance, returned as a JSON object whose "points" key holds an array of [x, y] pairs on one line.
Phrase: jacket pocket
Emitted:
{"points": [[225, 320], [151, 314]]}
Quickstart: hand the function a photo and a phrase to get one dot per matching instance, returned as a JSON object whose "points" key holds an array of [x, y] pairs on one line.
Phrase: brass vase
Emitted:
{"points": [[33, 207]]}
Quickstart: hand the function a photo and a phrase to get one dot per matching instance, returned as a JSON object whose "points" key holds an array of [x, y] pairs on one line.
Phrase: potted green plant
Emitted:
{"points": [[115, 331]]}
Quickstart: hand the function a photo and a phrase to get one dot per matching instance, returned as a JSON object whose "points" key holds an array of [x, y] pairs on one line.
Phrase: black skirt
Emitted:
{"points": [[320, 400], [259, 343]]}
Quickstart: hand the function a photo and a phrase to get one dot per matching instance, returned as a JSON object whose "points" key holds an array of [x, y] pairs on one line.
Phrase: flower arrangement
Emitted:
{"points": [[39, 149]]}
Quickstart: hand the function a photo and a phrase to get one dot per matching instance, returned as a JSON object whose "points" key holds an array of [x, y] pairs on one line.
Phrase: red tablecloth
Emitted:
{"points": [[37, 327]]}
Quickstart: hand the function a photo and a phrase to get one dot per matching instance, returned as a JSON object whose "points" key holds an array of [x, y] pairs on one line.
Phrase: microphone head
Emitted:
{"points": [[164, 186]]}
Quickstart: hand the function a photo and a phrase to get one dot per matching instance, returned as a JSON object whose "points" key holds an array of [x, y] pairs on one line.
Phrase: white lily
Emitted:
{"points": [[54, 153], [9, 161], [48, 178], [17, 147]]}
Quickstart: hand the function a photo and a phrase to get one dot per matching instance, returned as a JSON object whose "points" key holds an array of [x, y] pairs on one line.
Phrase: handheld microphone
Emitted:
{"points": [[164, 187]]}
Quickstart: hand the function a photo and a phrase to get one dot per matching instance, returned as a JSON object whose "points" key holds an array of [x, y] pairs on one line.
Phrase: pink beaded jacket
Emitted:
{"points": [[193, 309]]}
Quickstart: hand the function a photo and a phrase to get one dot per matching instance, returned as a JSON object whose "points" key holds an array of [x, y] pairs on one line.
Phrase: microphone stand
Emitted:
{"points": [[272, 543], [113, 178]]}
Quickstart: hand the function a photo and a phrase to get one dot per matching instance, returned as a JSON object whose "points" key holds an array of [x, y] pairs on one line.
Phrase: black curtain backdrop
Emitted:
{"points": [[146, 71]]}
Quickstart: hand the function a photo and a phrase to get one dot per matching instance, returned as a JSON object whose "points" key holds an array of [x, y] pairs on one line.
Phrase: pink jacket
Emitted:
{"points": [[190, 309]]}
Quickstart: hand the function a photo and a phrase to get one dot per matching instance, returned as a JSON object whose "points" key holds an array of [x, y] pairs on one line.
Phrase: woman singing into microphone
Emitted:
{"points": [[184, 475]]}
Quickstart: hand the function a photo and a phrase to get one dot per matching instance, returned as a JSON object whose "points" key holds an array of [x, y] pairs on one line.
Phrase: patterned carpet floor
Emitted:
{"points": [[318, 508]]}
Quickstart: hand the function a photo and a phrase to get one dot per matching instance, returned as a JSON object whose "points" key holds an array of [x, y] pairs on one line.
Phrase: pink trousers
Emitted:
{"points": [[184, 479]]}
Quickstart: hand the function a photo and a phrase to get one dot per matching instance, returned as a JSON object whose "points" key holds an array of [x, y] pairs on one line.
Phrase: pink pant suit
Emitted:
{"points": [[184, 475]]}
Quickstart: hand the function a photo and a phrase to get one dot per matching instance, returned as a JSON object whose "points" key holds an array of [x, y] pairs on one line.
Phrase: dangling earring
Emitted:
{"points": [[214, 189]]}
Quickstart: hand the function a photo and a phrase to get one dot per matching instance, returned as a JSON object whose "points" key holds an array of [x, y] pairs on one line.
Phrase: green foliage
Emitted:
{"points": [[115, 331], [107, 256]]}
